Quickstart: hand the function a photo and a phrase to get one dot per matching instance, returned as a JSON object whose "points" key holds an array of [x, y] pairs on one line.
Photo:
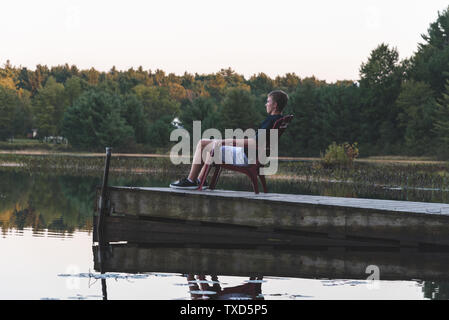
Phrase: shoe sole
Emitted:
{"points": [[185, 188], [189, 188]]}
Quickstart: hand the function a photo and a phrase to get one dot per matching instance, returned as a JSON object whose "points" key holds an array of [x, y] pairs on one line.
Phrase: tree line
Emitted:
{"points": [[396, 107]]}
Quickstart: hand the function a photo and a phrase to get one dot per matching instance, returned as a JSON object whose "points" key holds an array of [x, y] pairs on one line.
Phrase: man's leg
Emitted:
{"points": [[205, 146], [197, 164]]}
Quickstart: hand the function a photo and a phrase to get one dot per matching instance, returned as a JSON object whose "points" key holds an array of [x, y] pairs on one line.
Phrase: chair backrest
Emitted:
{"points": [[282, 124]]}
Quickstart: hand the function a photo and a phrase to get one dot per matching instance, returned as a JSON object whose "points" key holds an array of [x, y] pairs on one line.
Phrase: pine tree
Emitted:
{"points": [[441, 125], [431, 62]]}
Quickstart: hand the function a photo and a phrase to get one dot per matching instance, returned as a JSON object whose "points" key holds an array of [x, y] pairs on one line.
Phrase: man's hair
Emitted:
{"points": [[280, 97]]}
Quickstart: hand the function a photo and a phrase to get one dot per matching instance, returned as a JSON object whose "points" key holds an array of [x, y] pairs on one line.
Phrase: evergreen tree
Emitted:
{"points": [[216, 86], [156, 102], [288, 83], [303, 133], [24, 79], [441, 124], [8, 104], [132, 112], [158, 131], [261, 84], [49, 106], [95, 121], [430, 64], [238, 111], [73, 88], [416, 117], [202, 109], [380, 82], [61, 73]]}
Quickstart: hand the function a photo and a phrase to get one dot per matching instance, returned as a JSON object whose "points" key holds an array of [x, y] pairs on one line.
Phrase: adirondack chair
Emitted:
{"points": [[251, 170]]}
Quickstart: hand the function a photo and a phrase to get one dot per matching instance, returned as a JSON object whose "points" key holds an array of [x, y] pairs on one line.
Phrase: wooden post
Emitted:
{"points": [[104, 211], [104, 203]]}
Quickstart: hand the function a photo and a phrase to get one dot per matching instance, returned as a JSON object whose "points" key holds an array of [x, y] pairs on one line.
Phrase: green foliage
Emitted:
{"points": [[74, 86], [431, 62], [380, 68], [323, 113], [416, 116], [380, 83], [288, 83], [132, 112], [261, 84], [441, 124], [238, 110], [201, 109], [95, 121], [14, 114], [340, 155], [49, 107], [158, 112], [158, 132], [156, 102]]}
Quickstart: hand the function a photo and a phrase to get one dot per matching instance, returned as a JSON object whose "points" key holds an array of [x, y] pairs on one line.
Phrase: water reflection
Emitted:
{"points": [[203, 263], [56, 203], [436, 290], [55, 206], [59, 203], [200, 289]]}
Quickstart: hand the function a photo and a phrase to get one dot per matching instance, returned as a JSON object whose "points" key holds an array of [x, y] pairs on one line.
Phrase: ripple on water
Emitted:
{"points": [[115, 276], [333, 283], [42, 233], [205, 292], [255, 281]]}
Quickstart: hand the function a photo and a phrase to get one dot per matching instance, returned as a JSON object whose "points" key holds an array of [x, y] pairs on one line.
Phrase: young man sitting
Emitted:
{"points": [[233, 149]]}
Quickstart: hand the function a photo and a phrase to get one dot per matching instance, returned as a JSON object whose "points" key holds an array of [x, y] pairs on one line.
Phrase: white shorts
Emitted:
{"points": [[234, 155]]}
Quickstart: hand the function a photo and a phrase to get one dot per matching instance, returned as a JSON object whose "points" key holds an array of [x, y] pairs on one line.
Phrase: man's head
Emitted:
{"points": [[280, 98]]}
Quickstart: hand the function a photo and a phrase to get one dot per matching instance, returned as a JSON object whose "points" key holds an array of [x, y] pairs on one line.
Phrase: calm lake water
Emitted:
{"points": [[47, 252]]}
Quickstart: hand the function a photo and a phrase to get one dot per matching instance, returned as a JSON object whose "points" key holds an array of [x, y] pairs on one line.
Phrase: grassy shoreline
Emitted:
{"points": [[390, 172], [35, 147], [372, 159]]}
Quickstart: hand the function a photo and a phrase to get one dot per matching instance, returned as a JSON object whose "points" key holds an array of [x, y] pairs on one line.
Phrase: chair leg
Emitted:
{"points": [[264, 183], [255, 183], [215, 177], [252, 174], [205, 174]]}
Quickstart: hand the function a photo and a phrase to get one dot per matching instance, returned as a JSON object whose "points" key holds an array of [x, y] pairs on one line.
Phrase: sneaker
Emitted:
{"points": [[184, 183]]}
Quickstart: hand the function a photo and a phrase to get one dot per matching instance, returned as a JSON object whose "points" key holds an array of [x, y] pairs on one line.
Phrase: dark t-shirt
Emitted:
{"points": [[267, 124]]}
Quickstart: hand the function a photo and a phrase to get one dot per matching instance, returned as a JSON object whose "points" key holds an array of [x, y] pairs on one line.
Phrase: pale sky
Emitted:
{"points": [[325, 38]]}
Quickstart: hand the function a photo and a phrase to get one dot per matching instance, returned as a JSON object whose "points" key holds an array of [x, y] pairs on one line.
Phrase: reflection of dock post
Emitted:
{"points": [[104, 210], [104, 203]]}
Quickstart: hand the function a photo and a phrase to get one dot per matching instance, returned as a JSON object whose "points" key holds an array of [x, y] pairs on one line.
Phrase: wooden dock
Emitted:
{"points": [[139, 213]]}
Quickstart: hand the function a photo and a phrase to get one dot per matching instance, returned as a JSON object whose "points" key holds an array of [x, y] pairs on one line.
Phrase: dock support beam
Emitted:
{"points": [[104, 203], [104, 211]]}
